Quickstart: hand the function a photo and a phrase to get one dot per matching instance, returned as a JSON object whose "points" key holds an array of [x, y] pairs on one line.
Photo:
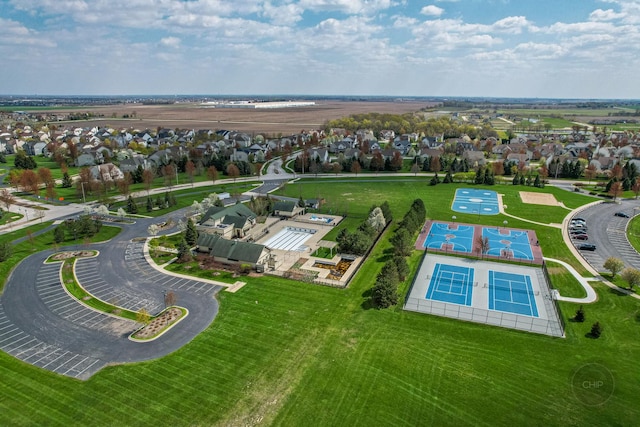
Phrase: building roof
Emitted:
{"points": [[284, 206], [214, 213], [235, 250]]}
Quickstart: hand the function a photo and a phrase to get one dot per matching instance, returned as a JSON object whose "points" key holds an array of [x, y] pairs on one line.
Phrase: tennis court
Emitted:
{"points": [[511, 293], [476, 201], [290, 239], [508, 243], [451, 283], [499, 294], [454, 237]]}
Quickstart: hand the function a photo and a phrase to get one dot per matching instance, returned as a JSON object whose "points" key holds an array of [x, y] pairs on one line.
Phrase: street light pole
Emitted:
{"points": [[83, 198]]}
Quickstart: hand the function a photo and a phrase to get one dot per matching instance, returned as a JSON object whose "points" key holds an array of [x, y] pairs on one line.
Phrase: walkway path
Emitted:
{"points": [[591, 293]]}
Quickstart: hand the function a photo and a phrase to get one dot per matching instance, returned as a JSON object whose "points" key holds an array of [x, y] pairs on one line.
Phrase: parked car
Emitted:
{"points": [[577, 232], [622, 214], [577, 227], [580, 236], [579, 219], [587, 247]]}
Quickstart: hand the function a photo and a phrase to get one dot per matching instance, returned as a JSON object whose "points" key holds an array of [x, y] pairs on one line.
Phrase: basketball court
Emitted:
{"points": [[500, 294], [476, 201], [510, 244]]}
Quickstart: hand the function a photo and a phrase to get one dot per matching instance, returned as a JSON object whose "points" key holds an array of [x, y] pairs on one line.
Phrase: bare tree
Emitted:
{"points": [[212, 173], [170, 299], [483, 245], [7, 198], [147, 179], [233, 171]]}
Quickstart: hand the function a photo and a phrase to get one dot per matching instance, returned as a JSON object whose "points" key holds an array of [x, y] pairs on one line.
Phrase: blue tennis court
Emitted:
{"points": [[475, 201], [508, 243], [511, 293], [451, 283], [443, 236]]}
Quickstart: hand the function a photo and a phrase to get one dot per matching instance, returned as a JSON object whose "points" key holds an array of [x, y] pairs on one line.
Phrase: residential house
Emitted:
{"points": [[474, 158], [107, 172]]}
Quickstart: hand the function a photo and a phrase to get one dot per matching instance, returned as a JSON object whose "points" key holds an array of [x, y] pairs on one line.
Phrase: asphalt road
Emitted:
{"points": [[43, 325], [608, 233]]}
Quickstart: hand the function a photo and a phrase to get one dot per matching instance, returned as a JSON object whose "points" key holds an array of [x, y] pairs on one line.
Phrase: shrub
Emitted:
{"points": [[596, 330]]}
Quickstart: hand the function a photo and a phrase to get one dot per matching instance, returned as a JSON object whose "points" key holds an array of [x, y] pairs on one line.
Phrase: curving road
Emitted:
{"points": [[43, 325]]}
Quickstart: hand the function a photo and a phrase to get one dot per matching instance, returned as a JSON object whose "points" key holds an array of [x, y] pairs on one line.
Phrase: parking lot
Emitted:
{"points": [[608, 233], [41, 324]]}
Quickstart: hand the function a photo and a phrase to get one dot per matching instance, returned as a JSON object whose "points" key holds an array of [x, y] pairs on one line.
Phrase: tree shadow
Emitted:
{"points": [[367, 304], [618, 292], [591, 336]]}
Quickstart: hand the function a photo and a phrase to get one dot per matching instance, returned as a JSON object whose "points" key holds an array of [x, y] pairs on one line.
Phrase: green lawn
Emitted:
{"points": [[355, 196], [633, 232], [286, 353]]}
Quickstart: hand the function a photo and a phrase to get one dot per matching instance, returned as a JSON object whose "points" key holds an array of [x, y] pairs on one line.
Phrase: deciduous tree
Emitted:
{"points": [[614, 265], [631, 276]]}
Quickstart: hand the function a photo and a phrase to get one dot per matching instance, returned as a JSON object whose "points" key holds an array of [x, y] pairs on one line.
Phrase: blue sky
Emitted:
{"points": [[499, 48]]}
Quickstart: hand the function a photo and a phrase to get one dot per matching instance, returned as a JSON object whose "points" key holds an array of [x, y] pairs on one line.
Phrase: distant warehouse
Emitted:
{"points": [[254, 104]]}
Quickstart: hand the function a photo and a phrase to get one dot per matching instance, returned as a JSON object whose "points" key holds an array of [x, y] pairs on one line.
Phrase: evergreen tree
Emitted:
{"points": [[516, 179], [66, 180], [6, 250], [434, 180], [448, 179], [58, 234], [184, 252], [537, 182], [132, 208], [402, 266], [479, 179], [579, 317], [596, 330], [191, 234], [149, 204], [384, 293]]}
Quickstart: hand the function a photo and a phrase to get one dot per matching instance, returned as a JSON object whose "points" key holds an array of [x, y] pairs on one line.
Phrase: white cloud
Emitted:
{"points": [[287, 14], [365, 7], [432, 10], [172, 42], [605, 15], [13, 33], [403, 21]]}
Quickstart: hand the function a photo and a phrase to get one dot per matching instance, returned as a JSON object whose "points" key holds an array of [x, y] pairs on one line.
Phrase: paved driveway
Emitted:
{"points": [[43, 325]]}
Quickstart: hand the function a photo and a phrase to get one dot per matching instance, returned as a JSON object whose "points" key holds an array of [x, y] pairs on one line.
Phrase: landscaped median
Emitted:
{"points": [[153, 326]]}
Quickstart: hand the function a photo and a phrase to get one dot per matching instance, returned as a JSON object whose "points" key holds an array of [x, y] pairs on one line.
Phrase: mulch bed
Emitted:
{"points": [[157, 325]]}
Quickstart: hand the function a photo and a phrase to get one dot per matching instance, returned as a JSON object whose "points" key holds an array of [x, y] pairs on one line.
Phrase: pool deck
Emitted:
{"points": [[533, 241]]}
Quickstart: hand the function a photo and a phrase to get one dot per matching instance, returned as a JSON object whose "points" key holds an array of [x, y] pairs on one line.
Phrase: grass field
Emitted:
{"points": [[285, 353]]}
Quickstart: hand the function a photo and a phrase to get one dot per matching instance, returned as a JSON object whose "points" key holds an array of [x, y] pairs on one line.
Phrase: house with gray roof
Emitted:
{"points": [[231, 221], [233, 252], [287, 209]]}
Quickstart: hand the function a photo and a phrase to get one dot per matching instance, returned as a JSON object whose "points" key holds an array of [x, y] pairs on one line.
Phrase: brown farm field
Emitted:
{"points": [[270, 121]]}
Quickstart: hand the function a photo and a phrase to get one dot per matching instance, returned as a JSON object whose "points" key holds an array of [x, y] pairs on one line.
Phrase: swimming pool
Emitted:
{"points": [[321, 219]]}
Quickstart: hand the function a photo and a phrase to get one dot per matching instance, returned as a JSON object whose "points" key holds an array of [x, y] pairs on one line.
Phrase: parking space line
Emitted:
{"points": [[50, 362], [40, 349], [13, 342], [76, 364], [11, 337], [85, 369], [25, 344]]}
